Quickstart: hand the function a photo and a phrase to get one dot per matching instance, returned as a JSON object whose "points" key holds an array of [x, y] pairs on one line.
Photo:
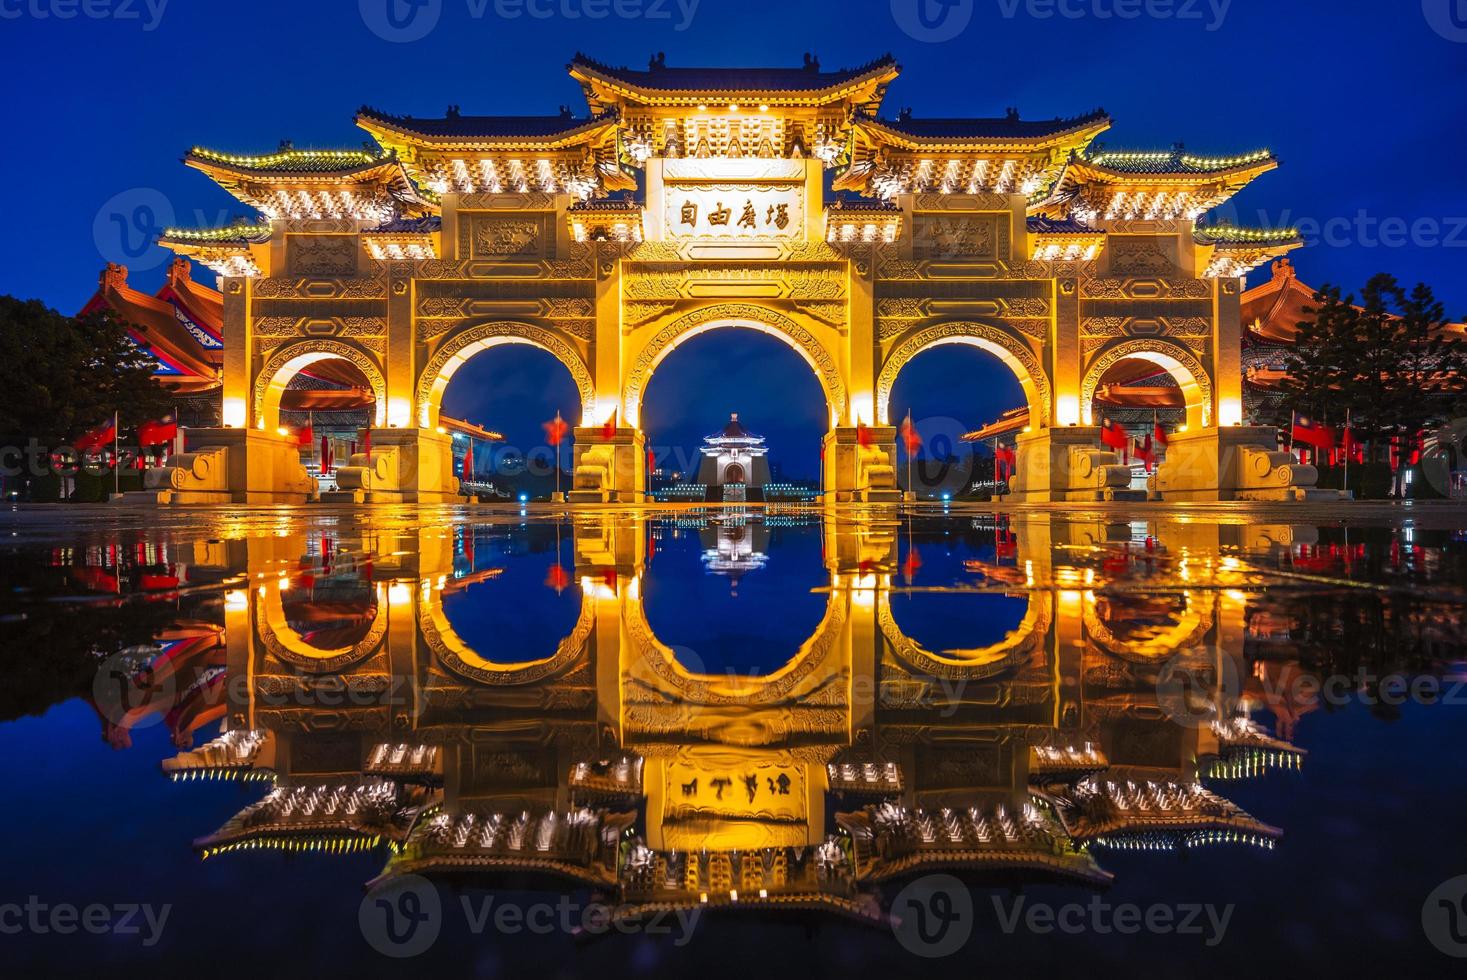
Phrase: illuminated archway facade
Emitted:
{"points": [[784, 204]]}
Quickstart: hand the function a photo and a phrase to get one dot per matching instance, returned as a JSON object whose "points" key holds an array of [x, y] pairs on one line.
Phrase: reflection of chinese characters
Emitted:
{"points": [[776, 216], [775, 785]]}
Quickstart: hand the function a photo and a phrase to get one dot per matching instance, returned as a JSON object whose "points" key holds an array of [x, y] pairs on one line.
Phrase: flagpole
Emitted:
{"points": [[116, 455], [908, 447], [1345, 484], [559, 437]]}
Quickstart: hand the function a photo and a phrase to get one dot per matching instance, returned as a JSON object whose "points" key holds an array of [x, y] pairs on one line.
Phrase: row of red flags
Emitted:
{"points": [[156, 433], [1115, 435]]}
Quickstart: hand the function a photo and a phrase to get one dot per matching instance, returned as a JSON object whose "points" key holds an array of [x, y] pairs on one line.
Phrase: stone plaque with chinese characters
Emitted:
{"points": [[736, 211]]}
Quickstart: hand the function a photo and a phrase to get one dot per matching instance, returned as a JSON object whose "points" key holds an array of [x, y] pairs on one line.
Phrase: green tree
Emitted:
{"points": [[1321, 363], [59, 375]]}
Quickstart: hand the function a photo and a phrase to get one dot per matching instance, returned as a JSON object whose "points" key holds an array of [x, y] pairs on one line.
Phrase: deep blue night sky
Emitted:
{"points": [[1360, 99]]}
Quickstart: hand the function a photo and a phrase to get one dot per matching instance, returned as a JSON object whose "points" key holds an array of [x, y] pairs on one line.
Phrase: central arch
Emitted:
{"points": [[743, 315], [461, 346], [1007, 347]]}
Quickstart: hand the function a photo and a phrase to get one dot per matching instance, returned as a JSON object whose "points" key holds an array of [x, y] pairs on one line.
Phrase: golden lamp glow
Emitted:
{"points": [[1067, 410], [1230, 412], [234, 413]]}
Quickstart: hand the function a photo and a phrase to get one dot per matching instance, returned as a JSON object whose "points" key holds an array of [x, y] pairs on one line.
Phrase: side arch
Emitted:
{"points": [[1007, 346], [1014, 649], [457, 656], [459, 347], [1172, 358], [746, 315], [295, 356]]}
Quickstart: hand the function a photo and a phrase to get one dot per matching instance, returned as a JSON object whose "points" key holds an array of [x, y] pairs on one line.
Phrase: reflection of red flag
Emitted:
{"points": [[910, 566], [608, 430], [608, 578], [468, 471], [911, 437], [863, 436], [557, 578], [866, 566], [555, 430], [156, 583], [469, 547]]}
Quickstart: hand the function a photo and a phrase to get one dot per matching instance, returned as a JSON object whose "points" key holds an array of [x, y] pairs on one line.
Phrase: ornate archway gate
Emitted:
{"points": [[775, 200]]}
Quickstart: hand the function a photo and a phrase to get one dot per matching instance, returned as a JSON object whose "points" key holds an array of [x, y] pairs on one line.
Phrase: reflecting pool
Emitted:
{"points": [[733, 742]]}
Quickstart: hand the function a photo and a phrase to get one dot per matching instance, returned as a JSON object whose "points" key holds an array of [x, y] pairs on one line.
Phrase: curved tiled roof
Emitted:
{"points": [[1173, 161], [1008, 128], [459, 126], [658, 78]]}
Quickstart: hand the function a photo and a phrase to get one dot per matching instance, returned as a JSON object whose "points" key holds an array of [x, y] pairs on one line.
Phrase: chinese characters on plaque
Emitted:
{"points": [[735, 212]]}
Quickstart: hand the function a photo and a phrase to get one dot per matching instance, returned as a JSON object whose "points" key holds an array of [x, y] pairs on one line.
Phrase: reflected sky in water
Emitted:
{"points": [[777, 722]]}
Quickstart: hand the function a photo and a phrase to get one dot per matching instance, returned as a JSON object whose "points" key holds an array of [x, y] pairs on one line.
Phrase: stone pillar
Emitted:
{"points": [[1227, 352], [860, 473], [610, 470]]}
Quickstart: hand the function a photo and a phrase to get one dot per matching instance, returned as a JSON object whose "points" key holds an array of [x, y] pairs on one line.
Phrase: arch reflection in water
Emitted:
{"points": [[866, 755]]}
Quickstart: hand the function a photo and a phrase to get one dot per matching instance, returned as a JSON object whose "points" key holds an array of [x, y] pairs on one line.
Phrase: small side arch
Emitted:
{"points": [[1174, 359], [294, 357]]}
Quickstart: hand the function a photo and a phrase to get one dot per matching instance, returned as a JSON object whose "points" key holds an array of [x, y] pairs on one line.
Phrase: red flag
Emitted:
{"points": [[1005, 459], [1114, 435], [555, 430], [367, 444], [1160, 435], [327, 463], [468, 469], [97, 436], [1312, 433], [651, 461], [1145, 453], [863, 436], [910, 437], [306, 436], [1353, 448], [608, 430], [159, 432]]}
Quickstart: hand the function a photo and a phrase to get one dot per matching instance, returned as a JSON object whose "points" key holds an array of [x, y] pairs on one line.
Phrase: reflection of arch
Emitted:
{"points": [[292, 358], [456, 655], [1188, 631], [461, 346], [730, 689], [734, 474], [746, 315], [1013, 650], [287, 645], [1172, 358], [1007, 346]]}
